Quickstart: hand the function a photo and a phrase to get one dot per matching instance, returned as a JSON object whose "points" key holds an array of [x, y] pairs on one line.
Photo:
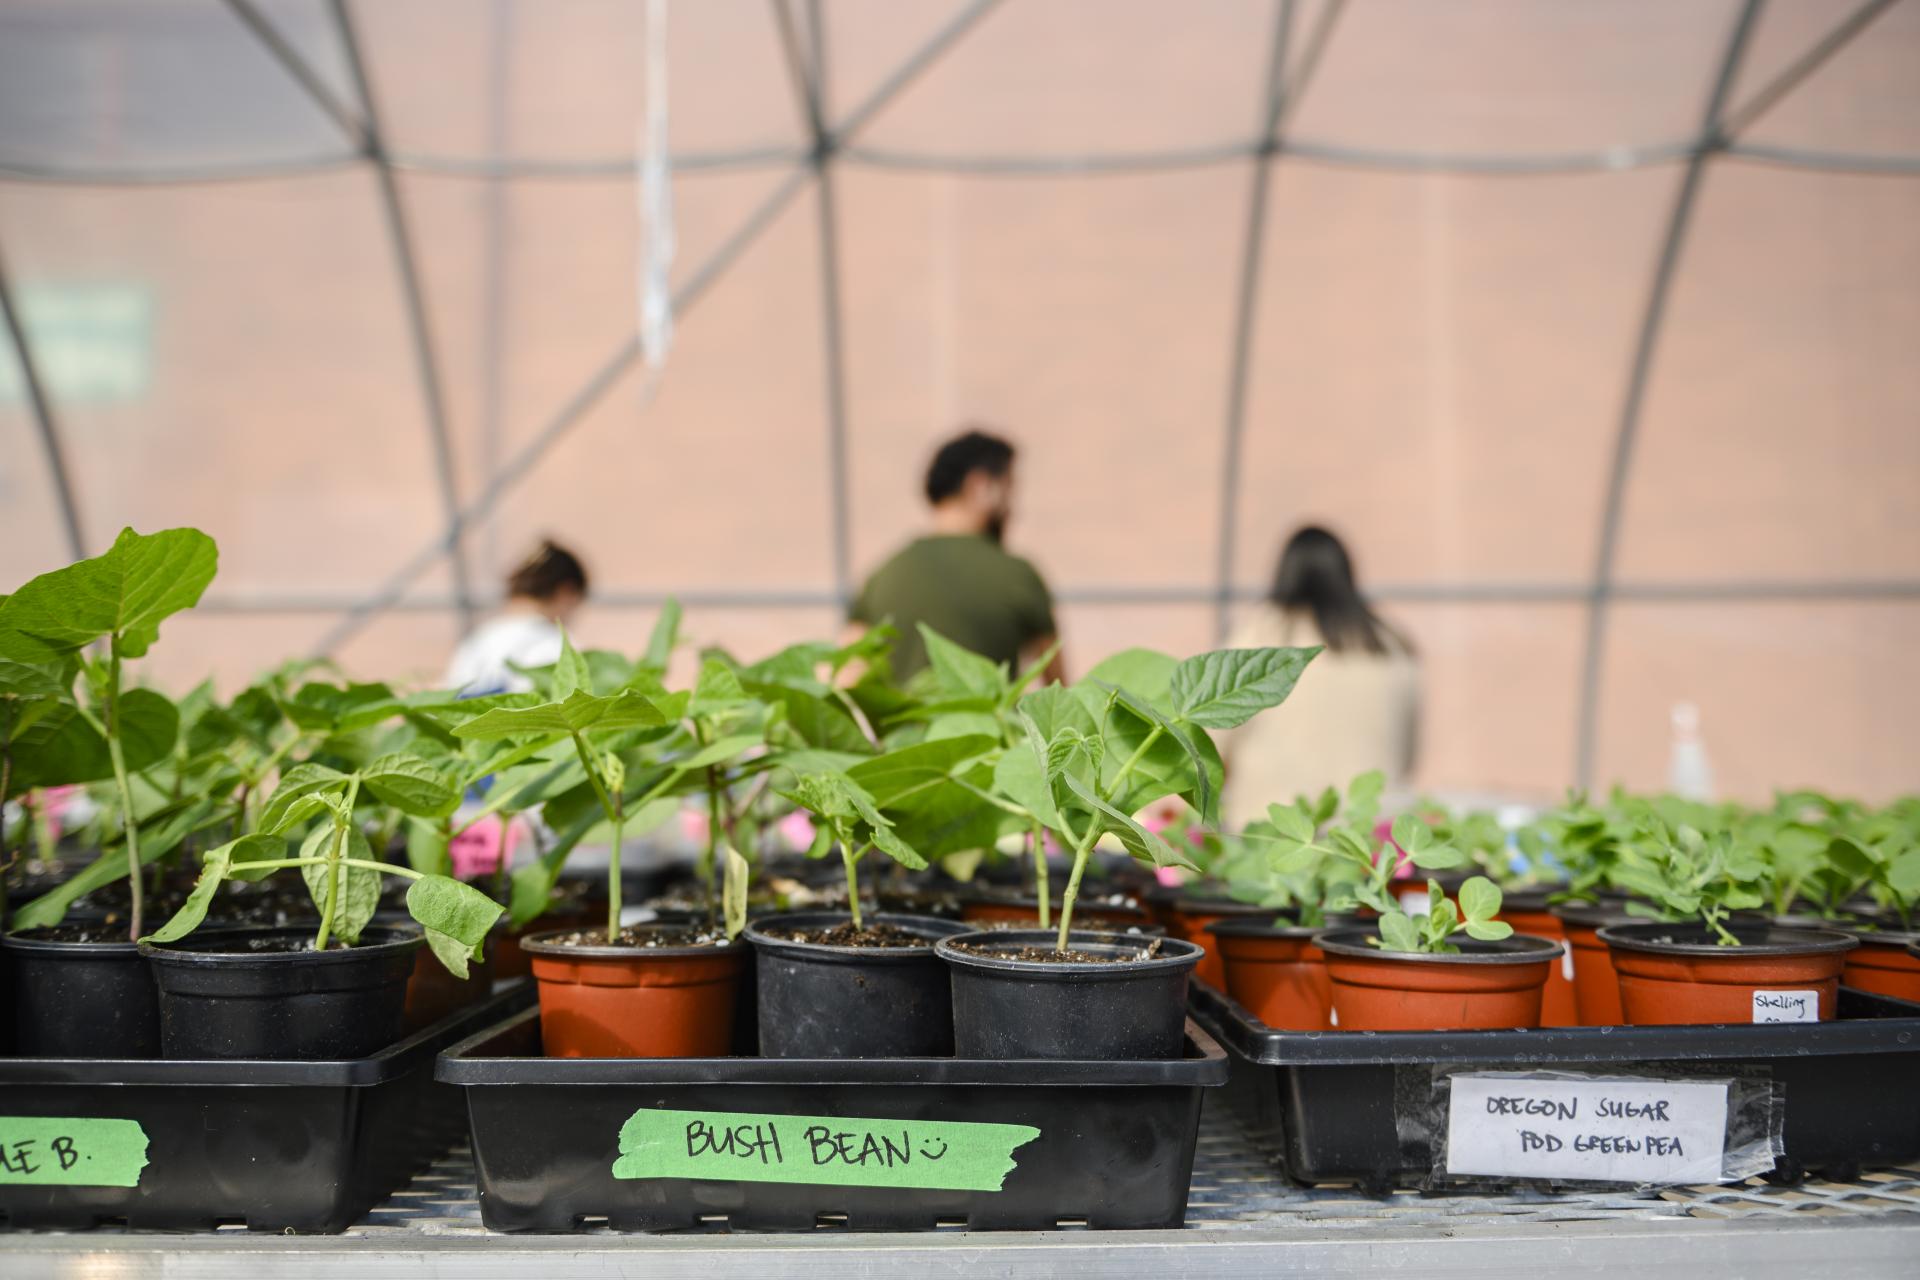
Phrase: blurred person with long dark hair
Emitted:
{"points": [[543, 594], [1357, 707]]}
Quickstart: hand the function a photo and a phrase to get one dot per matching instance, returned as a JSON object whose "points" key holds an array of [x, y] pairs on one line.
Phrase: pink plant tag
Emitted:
{"points": [[478, 850]]}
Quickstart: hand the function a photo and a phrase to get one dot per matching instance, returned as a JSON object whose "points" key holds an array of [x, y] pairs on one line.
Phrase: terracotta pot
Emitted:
{"points": [[1094, 915], [635, 1002], [1679, 974], [1276, 972], [1596, 988], [1485, 985], [1887, 963], [1529, 913], [1190, 918]]}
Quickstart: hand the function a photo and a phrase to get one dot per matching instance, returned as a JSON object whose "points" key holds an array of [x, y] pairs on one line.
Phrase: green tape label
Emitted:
{"points": [[830, 1151], [52, 1151]]}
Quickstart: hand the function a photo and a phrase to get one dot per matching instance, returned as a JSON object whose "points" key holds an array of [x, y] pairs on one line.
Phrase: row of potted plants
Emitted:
{"points": [[350, 786], [303, 831], [1644, 911]]}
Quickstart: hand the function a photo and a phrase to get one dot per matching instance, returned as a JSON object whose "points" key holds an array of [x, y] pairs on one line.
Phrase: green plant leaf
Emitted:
{"points": [[452, 953], [580, 712], [1204, 798], [717, 690], [1145, 673], [126, 592], [458, 910], [359, 888], [303, 780], [1141, 843], [411, 785], [1489, 930], [665, 634], [427, 850], [213, 871], [1227, 687], [720, 751], [33, 679], [570, 671], [960, 672], [889, 843], [319, 707], [1397, 932], [1903, 875], [1480, 899], [1291, 823], [915, 775]]}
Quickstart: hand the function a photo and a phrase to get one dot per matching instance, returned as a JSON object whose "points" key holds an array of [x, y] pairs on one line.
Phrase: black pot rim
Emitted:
{"points": [[52, 946], [166, 953], [1206, 905], [1174, 954], [1780, 942], [539, 944], [1870, 932], [1519, 948], [820, 951]]}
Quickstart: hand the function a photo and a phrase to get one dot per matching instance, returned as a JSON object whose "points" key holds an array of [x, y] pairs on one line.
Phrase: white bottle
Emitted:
{"points": [[1689, 775]]}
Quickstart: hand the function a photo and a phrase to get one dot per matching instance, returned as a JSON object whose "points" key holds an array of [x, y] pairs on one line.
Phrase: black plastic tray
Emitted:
{"points": [[1113, 1149], [277, 1146], [1328, 1104]]}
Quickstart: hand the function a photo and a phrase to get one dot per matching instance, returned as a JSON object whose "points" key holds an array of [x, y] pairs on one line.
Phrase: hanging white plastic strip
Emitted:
{"points": [[655, 193]]}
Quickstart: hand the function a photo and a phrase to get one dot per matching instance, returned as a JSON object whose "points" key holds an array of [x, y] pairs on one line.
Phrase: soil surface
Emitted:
{"points": [[642, 938], [256, 944], [845, 935], [1047, 955], [103, 932]]}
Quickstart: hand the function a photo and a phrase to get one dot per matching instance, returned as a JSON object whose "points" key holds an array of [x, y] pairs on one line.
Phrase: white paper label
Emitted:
{"points": [[1566, 963], [1786, 1006], [1645, 1132]]}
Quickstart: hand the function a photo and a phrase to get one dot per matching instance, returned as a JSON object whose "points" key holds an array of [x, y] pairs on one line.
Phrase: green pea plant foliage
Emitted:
{"points": [[1131, 734], [120, 597], [1305, 856], [337, 864], [1682, 873]]}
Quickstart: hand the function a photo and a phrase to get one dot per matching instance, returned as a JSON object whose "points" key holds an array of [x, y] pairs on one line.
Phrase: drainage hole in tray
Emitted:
{"points": [[829, 1221], [950, 1224], [714, 1221], [1071, 1224], [589, 1221]]}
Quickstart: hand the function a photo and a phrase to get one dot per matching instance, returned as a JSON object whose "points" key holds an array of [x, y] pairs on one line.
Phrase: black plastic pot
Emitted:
{"points": [[1010, 1009], [81, 999], [852, 1002], [1337, 1106], [274, 1146], [218, 999], [1108, 1144]]}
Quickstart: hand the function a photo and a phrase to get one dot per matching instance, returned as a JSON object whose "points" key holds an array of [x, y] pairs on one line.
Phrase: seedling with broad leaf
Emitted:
{"points": [[1686, 874], [120, 597], [846, 815], [337, 864], [1133, 733]]}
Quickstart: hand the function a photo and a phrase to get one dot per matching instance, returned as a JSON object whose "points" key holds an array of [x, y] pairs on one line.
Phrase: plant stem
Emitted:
{"points": [[1139, 753], [711, 864], [1041, 888], [132, 824], [852, 859], [615, 815], [336, 854], [1080, 852]]}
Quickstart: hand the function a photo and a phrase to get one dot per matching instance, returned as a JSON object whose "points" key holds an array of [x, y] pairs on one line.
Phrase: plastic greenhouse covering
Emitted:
{"points": [[1593, 327]]}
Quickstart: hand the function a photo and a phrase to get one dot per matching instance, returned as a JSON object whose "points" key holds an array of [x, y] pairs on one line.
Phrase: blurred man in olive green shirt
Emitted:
{"points": [[958, 579]]}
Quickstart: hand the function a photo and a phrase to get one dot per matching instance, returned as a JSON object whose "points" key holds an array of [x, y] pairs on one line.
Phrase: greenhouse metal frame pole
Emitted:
{"points": [[43, 419], [1283, 92], [1717, 125], [413, 295]]}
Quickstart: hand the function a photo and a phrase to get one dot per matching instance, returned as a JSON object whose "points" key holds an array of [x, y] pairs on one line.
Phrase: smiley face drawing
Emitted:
{"points": [[934, 1155]]}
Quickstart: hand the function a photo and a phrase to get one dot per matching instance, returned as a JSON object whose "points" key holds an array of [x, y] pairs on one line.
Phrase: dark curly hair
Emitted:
{"points": [[960, 457]]}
